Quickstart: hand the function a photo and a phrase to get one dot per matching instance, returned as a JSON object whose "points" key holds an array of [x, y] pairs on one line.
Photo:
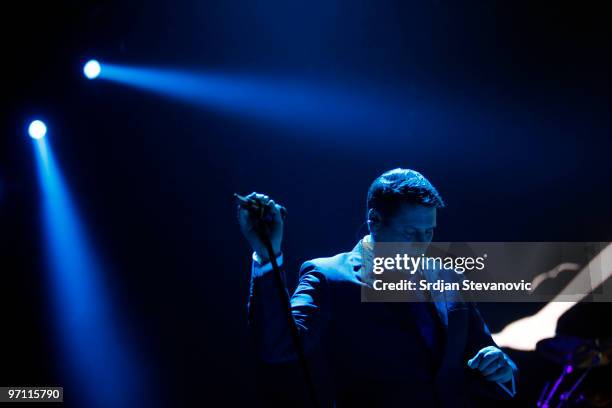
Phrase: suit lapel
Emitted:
{"points": [[453, 314], [439, 299], [359, 259]]}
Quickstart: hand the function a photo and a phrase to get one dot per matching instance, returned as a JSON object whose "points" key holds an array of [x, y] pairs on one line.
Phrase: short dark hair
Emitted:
{"points": [[401, 186]]}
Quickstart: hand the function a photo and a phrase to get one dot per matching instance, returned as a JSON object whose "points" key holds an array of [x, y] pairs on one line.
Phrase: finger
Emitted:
{"points": [[493, 367], [473, 362], [245, 220], [277, 211], [256, 196], [242, 213], [273, 207], [490, 357], [243, 210], [501, 375]]}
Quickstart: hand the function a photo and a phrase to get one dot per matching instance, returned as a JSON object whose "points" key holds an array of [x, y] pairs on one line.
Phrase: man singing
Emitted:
{"points": [[410, 354]]}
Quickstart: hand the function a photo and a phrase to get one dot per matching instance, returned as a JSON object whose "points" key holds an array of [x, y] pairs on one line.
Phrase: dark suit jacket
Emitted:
{"points": [[373, 353]]}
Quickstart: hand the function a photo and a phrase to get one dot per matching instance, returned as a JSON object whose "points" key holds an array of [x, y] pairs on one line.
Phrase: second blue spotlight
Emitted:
{"points": [[92, 69], [37, 129]]}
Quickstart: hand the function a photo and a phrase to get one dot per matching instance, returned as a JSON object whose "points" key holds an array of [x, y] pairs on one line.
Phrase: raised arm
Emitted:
{"points": [[267, 311]]}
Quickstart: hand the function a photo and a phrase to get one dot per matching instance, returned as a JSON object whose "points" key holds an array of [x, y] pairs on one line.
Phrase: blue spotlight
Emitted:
{"points": [[92, 69], [99, 360], [37, 129]]}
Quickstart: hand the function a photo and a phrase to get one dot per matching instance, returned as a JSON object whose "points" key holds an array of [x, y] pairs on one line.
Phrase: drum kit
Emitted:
{"points": [[578, 358]]}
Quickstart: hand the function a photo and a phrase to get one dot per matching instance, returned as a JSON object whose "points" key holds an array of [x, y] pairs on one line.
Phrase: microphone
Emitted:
{"points": [[258, 206]]}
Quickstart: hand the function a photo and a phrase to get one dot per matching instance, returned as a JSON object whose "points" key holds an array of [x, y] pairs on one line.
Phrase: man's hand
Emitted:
{"points": [[493, 364], [275, 227]]}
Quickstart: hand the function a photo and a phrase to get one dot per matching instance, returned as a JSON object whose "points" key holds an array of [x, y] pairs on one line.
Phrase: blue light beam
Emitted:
{"points": [[95, 356], [289, 102]]}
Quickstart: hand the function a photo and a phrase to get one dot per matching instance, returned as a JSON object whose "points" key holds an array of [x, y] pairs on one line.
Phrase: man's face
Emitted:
{"points": [[411, 223]]}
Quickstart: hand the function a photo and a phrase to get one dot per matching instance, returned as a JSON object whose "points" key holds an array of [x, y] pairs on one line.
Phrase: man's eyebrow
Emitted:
{"points": [[412, 227]]}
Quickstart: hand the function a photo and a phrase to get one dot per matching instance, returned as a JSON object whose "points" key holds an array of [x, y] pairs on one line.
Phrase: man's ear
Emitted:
{"points": [[374, 220]]}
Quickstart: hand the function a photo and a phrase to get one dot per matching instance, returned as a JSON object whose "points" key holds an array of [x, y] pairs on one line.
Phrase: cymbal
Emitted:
{"points": [[577, 352]]}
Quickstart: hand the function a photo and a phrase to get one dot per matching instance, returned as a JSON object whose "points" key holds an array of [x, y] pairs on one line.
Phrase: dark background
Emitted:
{"points": [[513, 128]]}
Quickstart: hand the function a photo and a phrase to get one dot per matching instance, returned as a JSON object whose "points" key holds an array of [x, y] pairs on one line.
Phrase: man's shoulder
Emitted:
{"points": [[337, 267]]}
